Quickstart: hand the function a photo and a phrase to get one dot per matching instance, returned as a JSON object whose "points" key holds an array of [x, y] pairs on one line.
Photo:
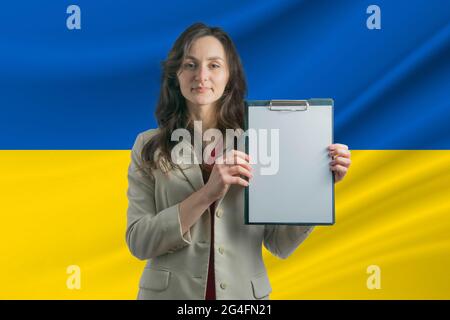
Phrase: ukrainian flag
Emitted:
{"points": [[78, 84]]}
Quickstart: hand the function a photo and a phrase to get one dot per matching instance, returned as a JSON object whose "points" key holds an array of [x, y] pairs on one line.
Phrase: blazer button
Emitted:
{"points": [[223, 286], [221, 250], [219, 213]]}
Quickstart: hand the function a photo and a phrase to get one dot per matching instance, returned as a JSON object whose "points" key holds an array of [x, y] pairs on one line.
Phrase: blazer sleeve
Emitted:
{"points": [[282, 241], [149, 233]]}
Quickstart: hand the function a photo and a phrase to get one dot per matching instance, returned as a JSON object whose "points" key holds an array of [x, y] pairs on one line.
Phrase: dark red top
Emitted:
{"points": [[210, 283]]}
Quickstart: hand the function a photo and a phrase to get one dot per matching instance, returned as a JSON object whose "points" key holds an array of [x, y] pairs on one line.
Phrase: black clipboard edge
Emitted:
{"points": [[265, 103]]}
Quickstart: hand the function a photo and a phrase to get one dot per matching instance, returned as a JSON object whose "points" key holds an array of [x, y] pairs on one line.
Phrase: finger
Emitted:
{"points": [[240, 154], [240, 171], [237, 180], [340, 153], [339, 169], [235, 159], [342, 161], [244, 164], [335, 146]]}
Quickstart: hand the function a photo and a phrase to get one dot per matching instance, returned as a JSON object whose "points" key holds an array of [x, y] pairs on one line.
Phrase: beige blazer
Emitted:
{"points": [[177, 264]]}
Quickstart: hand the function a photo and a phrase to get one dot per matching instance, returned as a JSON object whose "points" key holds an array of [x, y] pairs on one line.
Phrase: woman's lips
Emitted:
{"points": [[201, 90]]}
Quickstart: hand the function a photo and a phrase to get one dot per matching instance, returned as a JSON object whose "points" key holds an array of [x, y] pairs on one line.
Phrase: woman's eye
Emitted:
{"points": [[192, 66]]}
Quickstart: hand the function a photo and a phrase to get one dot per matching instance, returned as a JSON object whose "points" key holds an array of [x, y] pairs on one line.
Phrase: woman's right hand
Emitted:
{"points": [[226, 171]]}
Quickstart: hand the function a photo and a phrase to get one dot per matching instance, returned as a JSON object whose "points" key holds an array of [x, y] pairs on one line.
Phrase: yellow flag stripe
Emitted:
{"points": [[68, 208]]}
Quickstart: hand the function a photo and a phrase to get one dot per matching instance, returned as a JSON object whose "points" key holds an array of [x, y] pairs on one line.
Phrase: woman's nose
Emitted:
{"points": [[202, 74]]}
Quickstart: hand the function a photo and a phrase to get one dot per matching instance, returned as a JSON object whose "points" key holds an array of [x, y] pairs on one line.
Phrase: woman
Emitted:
{"points": [[188, 220]]}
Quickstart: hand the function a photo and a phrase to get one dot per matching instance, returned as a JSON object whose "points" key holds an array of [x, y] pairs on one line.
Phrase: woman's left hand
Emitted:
{"points": [[340, 163]]}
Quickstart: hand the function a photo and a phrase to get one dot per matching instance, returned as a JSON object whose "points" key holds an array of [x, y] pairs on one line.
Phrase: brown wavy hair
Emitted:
{"points": [[172, 112]]}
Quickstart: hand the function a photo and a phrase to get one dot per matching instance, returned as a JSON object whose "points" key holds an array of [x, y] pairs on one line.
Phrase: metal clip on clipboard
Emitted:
{"points": [[288, 105]]}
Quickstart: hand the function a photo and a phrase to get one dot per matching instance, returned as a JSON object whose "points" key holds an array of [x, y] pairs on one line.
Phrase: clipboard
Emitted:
{"points": [[301, 192]]}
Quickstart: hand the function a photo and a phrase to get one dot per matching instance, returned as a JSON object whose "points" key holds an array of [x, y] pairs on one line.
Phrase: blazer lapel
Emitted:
{"points": [[191, 171]]}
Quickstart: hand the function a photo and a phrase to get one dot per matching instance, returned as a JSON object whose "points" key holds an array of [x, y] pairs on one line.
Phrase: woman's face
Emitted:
{"points": [[204, 73]]}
